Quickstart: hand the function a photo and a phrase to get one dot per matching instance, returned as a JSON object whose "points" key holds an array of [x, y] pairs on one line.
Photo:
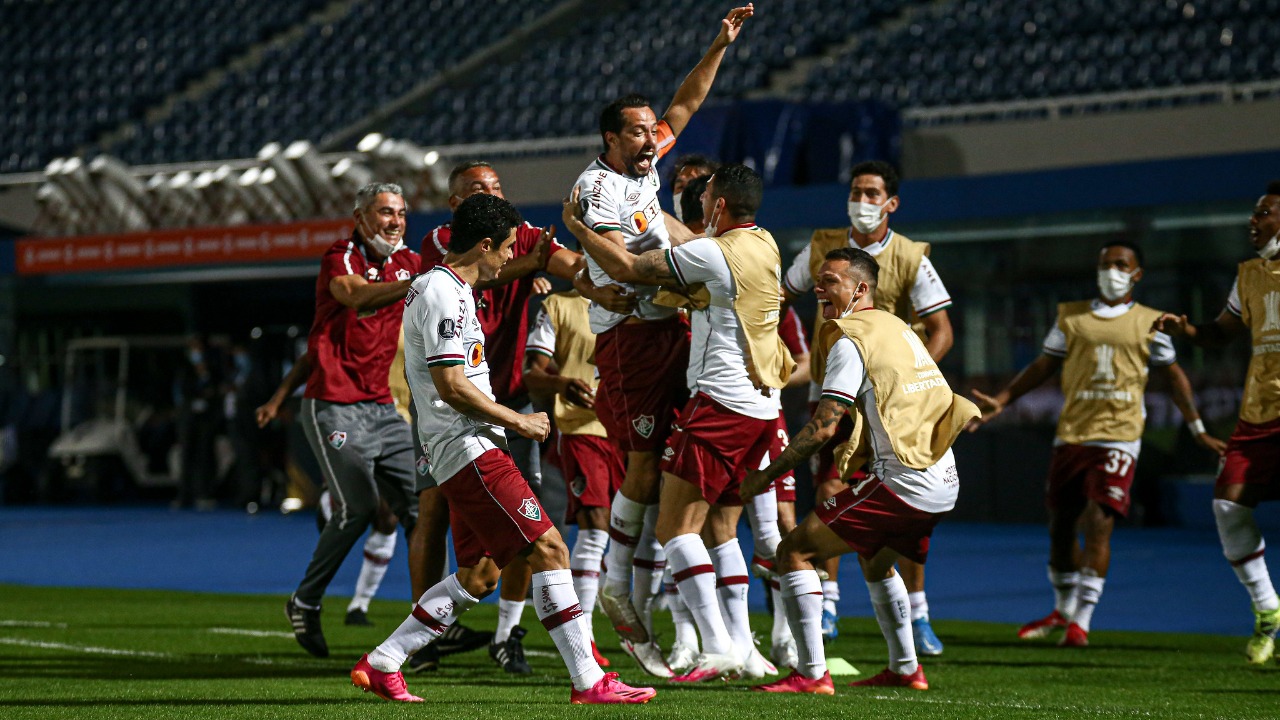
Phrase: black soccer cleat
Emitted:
{"points": [[306, 628], [356, 616], [510, 653], [458, 638], [425, 660]]}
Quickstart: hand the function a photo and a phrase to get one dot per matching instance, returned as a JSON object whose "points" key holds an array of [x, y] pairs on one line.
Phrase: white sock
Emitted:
{"points": [[1087, 597], [802, 598], [732, 582], [781, 634], [378, 549], [830, 595], [646, 571], [626, 520], [1064, 591], [696, 580], [686, 630], [763, 514], [584, 564], [509, 612], [437, 609], [919, 605], [561, 615], [889, 599], [1243, 546]]}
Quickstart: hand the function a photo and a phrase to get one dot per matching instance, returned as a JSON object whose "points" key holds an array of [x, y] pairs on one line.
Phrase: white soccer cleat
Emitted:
{"points": [[712, 667], [682, 658], [757, 666], [648, 657], [785, 655], [623, 616]]}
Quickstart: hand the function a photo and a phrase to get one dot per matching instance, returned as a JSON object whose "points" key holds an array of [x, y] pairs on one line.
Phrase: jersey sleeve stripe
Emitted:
{"points": [[838, 396], [1053, 351], [449, 359], [1231, 307], [675, 270], [943, 305], [794, 290], [605, 227], [539, 350], [346, 258]]}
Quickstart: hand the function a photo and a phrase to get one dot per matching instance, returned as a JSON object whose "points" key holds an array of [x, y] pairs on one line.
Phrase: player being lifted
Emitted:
{"points": [[1251, 470], [641, 356], [1103, 347], [737, 366], [492, 508]]}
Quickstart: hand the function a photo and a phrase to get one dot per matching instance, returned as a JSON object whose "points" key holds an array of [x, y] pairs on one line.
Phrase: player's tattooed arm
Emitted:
{"points": [[816, 433], [610, 252]]}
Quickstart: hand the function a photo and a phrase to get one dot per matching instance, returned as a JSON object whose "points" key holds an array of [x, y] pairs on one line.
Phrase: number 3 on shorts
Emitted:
{"points": [[1117, 463]]}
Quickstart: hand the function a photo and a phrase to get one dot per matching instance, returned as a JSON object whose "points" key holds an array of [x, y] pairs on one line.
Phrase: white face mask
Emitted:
{"points": [[675, 203], [380, 245], [1272, 249], [865, 217], [1114, 284]]}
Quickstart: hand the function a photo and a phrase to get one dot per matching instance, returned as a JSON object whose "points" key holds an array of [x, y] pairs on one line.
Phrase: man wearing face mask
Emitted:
{"points": [[910, 288], [1251, 470], [363, 446], [877, 368], [1103, 347]]}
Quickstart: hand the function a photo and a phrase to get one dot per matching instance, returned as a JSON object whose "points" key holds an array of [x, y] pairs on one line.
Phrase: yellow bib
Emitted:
{"points": [[1259, 286], [575, 357]]}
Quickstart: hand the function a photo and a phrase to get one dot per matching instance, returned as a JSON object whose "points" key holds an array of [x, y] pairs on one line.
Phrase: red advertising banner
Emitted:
{"points": [[189, 246]]}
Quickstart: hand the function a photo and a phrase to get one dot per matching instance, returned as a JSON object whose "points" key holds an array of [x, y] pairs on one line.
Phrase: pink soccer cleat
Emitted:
{"points": [[388, 686], [1044, 627], [612, 691], [711, 667], [889, 678], [797, 683], [1075, 636]]}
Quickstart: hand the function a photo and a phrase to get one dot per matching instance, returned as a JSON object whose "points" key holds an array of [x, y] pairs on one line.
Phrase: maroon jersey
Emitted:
{"points": [[351, 351], [791, 330], [502, 310]]}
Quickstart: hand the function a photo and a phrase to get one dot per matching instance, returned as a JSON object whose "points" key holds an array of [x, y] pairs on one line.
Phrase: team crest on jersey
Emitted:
{"points": [[371, 274], [402, 274], [423, 466], [337, 439], [578, 486], [475, 355], [643, 425], [530, 509], [447, 328]]}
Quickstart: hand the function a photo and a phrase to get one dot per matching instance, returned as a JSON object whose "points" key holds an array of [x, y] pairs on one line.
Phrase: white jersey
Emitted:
{"points": [[614, 201], [717, 359], [1163, 354], [928, 294], [441, 329], [933, 489]]}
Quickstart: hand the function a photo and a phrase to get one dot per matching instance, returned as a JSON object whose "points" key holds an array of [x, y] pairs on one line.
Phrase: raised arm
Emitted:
{"points": [[1186, 402], [1041, 369], [820, 429], [693, 91], [462, 395], [1217, 333]]}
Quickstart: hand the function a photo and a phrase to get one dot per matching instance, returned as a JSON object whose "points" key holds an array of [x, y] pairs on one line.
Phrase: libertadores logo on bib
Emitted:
{"points": [[530, 509], [643, 425], [337, 439]]}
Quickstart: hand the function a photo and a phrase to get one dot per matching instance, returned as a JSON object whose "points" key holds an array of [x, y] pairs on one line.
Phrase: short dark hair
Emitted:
{"points": [[611, 116], [881, 168], [464, 166], [741, 188], [1132, 246], [693, 160], [863, 266], [1273, 187], [481, 216], [691, 198]]}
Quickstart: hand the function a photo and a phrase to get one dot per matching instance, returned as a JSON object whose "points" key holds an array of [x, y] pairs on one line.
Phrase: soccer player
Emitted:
{"points": [[688, 168], [1251, 469], [875, 363], [737, 367], [559, 364], [910, 288], [502, 308], [1103, 347], [364, 448], [492, 508], [641, 355]]}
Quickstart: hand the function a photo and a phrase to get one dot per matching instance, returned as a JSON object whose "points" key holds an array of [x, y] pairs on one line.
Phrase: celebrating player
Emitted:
{"points": [[1251, 469], [874, 361], [493, 510], [1103, 348]]}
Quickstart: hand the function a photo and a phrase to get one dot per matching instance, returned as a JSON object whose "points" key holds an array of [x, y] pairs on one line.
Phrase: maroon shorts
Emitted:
{"points": [[785, 486], [593, 470], [825, 468], [1100, 474], [642, 381], [869, 517], [492, 510], [1253, 457], [713, 447]]}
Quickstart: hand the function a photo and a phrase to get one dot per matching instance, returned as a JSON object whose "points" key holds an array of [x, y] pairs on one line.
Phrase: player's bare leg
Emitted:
{"points": [[626, 525], [1063, 571], [1243, 546], [1095, 524], [428, 543], [680, 519], [830, 585]]}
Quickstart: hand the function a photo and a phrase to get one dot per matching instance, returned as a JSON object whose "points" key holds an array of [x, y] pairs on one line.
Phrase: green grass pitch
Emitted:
{"points": [[79, 653]]}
